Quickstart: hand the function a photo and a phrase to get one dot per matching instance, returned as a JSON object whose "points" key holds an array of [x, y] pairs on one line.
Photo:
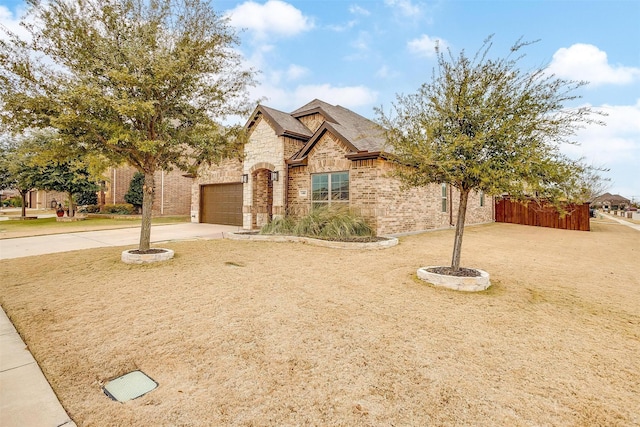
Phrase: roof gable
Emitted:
{"points": [[356, 132], [282, 123]]}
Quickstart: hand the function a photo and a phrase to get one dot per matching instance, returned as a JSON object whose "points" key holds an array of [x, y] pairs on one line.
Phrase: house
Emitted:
{"points": [[172, 195], [321, 155], [610, 202]]}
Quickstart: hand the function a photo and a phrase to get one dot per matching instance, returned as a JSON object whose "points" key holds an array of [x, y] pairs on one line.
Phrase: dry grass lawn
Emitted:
{"points": [[286, 334]]}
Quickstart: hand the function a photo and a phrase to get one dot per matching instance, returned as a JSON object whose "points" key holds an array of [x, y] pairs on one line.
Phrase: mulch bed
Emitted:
{"points": [[148, 251], [354, 239], [448, 271]]}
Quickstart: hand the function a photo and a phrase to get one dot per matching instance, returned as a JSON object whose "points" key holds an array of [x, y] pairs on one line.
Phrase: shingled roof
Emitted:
{"points": [[361, 135], [611, 198]]}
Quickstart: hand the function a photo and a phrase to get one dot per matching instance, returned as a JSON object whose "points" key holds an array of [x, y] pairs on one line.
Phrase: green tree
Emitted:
{"points": [[484, 124], [41, 161], [19, 171], [144, 82], [68, 176], [135, 195]]}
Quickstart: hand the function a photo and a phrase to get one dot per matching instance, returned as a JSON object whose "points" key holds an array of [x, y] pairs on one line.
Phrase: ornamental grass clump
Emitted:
{"points": [[323, 223], [343, 224], [280, 225]]}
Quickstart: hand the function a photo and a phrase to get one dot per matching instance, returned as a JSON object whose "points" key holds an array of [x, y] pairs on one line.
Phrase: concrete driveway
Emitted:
{"points": [[39, 245]]}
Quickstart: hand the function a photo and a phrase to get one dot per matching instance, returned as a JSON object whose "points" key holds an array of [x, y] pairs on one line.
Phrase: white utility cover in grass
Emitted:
{"points": [[129, 386]]}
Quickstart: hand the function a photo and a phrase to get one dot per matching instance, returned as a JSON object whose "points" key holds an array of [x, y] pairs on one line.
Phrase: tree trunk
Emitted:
{"points": [[147, 205], [24, 202], [72, 208], [457, 245]]}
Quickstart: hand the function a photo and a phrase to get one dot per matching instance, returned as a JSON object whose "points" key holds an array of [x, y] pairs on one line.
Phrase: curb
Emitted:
{"points": [[382, 244]]}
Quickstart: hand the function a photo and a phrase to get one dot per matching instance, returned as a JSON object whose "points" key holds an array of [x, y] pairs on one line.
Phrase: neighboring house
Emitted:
{"points": [[321, 155], [172, 193], [41, 199], [610, 202]]}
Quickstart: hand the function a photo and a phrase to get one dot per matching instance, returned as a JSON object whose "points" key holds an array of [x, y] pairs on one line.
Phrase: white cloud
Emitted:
{"points": [[616, 142], [615, 146], [274, 18], [294, 72], [404, 7], [426, 45], [347, 96], [384, 72], [357, 10], [587, 62], [343, 27], [11, 21], [287, 100], [362, 42], [354, 10]]}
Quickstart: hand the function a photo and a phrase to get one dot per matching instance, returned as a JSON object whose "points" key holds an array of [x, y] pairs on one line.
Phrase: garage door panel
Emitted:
{"points": [[221, 204]]}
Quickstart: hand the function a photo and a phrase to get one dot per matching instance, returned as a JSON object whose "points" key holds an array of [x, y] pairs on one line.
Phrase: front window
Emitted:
{"points": [[444, 197], [329, 188]]}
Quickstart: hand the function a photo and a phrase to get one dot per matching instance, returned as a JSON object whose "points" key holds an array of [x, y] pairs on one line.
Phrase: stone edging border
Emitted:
{"points": [[466, 284], [128, 258], [382, 244]]}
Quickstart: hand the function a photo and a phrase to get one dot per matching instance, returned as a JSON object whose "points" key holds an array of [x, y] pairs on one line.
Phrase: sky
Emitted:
{"points": [[360, 53]]}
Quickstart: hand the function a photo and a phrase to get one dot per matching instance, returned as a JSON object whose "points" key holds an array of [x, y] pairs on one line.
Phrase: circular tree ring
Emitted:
{"points": [[457, 283], [132, 256]]}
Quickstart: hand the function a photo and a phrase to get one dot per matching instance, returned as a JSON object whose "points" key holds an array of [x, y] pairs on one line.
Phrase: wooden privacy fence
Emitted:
{"points": [[542, 215]]}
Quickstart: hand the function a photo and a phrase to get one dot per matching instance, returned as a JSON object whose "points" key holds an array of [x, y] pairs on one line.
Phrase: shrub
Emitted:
{"points": [[134, 194], [86, 198], [14, 201], [119, 209], [89, 209]]}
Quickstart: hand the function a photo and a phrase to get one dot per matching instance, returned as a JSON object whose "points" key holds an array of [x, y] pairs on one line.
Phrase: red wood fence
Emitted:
{"points": [[542, 215]]}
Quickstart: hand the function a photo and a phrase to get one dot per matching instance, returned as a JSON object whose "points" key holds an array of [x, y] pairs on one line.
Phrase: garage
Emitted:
{"points": [[221, 204]]}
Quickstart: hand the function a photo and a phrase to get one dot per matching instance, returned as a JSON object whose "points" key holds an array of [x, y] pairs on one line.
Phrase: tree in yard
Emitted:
{"points": [[483, 124], [70, 176], [18, 172], [38, 163], [135, 195], [137, 81], [593, 183]]}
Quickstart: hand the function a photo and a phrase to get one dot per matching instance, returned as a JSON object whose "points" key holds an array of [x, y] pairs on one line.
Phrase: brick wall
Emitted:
{"points": [[312, 121], [172, 194]]}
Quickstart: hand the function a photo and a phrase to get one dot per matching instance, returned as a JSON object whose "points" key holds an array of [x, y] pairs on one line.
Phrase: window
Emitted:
{"points": [[481, 198], [444, 197], [329, 188]]}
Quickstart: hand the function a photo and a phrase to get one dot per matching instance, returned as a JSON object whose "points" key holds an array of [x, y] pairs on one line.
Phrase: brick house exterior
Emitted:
{"points": [[172, 193], [322, 154]]}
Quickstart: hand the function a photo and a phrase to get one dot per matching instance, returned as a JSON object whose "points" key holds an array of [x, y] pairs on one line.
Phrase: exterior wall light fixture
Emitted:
{"points": [[274, 175], [245, 178]]}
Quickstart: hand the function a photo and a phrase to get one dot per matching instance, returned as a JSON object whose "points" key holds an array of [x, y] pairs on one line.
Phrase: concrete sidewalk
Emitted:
{"points": [[26, 398], [621, 221], [40, 245]]}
